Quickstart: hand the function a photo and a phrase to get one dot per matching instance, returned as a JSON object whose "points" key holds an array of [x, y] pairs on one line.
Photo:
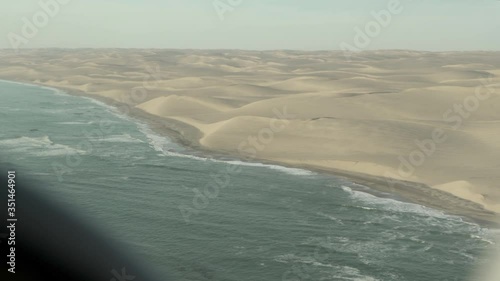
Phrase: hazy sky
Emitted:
{"points": [[252, 24]]}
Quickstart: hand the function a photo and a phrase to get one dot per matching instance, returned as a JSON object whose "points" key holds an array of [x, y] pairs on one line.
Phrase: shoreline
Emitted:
{"points": [[413, 192]]}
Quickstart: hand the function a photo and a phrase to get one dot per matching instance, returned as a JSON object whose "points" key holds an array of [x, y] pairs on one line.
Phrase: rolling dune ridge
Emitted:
{"points": [[376, 115]]}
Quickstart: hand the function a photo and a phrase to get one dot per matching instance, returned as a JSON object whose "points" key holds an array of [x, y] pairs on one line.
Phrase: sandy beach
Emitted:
{"points": [[423, 125]]}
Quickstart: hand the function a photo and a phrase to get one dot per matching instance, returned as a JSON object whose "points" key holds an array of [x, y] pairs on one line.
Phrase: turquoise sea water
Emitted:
{"points": [[197, 218]]}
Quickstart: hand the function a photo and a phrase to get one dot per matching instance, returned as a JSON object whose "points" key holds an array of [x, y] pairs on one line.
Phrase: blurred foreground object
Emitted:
{"points": [[48, 242]]}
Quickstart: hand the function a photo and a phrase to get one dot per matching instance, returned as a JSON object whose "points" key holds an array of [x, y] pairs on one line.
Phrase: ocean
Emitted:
{"points": [[194, 217]]}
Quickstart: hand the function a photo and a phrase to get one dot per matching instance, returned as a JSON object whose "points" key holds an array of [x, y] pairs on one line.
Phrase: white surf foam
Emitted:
{"points": [[351, 273], [335, 219], [392, 204], [110, 108], [334, 271], [124, 138], [54, 90], [157, 142], [41, 146], [292, 258], [291, 171], [491, 242], [74, 123], [168, 148], [19, 83]]}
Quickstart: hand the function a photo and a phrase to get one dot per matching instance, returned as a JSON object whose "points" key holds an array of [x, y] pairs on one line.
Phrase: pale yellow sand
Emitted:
{"points": [[367, 116]]}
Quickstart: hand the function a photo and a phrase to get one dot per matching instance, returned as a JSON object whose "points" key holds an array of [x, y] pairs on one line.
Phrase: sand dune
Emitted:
{"points": [[370, 115], [173, 105]]}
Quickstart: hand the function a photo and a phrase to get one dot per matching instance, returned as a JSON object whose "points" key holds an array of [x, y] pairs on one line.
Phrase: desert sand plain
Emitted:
{"points": [[400, 121]]}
